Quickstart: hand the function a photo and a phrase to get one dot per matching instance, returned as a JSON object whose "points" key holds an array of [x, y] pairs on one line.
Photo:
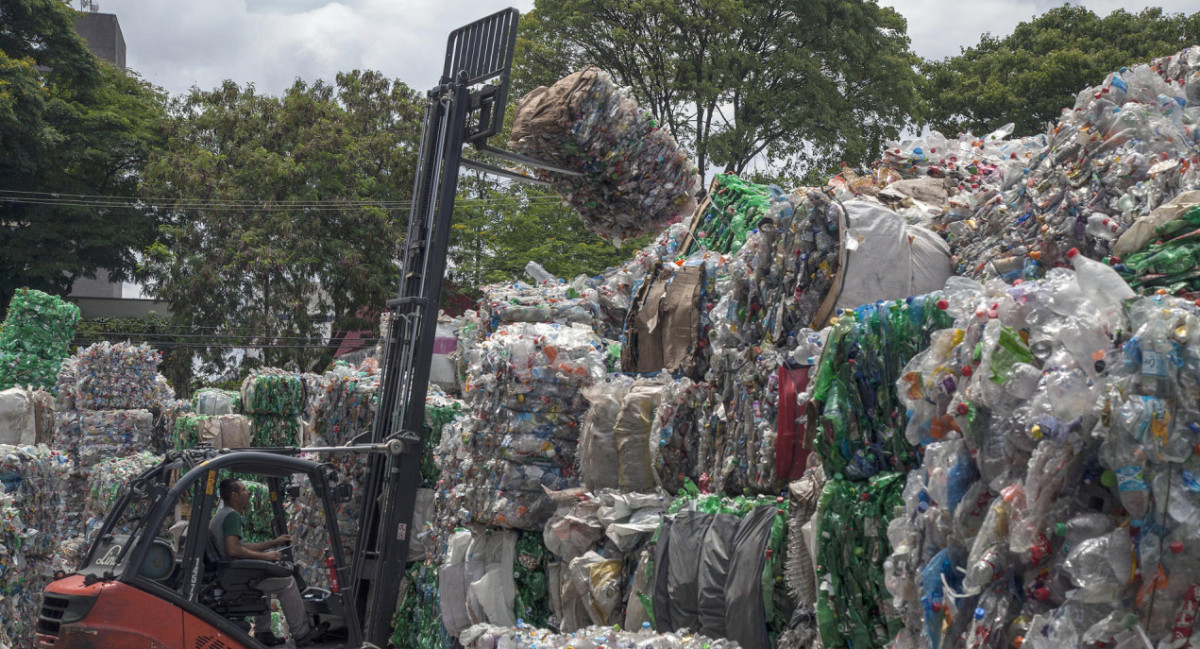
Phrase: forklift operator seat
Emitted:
{"points": [[230, 585]]}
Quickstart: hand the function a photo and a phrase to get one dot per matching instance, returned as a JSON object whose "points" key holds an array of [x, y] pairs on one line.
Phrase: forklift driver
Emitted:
{"points": [[226, 530]]}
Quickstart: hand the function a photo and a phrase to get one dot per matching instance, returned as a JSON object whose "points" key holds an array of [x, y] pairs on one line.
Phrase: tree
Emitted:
{"points": [[798, 86], [74, 134], [1029, 76], [285, 214], [501, 226]]}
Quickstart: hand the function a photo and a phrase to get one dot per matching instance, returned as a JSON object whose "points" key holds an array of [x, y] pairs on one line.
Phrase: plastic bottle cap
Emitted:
{"points": [[1060, 529], [1108, 479], [1072, 253], [979, 613], [1041, 594], [945, 304], [963, 409], [1176, 547]]}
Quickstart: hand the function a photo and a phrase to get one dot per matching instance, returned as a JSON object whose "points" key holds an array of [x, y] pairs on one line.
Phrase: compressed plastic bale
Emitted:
{"points": [[273, 392], [418, 621], [18, 424], [675, 433], [274, 430], [91, 436], [532, 586], [632, 431], [38, 323], [852, 608], [746, 618], [636, 179], [214, 402], [859, 424], [598, 456], [524, 636], [35, 337], [116, 376], [599, 581]]}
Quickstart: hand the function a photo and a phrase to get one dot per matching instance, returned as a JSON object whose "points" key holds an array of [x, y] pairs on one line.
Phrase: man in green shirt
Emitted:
{"points": [[226, 531]]}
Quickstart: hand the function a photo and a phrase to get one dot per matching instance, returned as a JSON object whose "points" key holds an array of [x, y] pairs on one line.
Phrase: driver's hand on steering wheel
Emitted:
{"points": [[282, 539]]}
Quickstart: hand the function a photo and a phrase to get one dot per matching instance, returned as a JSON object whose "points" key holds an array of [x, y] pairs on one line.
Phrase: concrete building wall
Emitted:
{"points": [[103, 35]]}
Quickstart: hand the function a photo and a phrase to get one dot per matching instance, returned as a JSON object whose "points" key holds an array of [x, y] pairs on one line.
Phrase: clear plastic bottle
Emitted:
{"points": [[1100, 284]]}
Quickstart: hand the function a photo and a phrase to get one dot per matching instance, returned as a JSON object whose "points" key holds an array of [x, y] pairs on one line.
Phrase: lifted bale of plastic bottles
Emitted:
{"points": [[635, 178], [35, 337]]}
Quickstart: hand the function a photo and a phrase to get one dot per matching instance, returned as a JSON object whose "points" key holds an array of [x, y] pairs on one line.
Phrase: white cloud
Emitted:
{"points": [[272, 42]]}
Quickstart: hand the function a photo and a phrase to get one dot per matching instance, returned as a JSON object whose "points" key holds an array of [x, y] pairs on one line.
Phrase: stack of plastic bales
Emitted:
{"points": [[520, 436], [1053, 499], [632, 178], [273, 399], [1126, 147], [112, 388], [35, 489], [34, 339]]}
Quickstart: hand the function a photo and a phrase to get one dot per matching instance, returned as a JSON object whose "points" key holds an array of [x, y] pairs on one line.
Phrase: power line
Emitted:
{"points": [[185, 345], [266, 206], [215, 336]]}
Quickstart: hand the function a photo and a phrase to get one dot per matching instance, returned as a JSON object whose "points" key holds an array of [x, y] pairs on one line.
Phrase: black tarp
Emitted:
{"points": [[662, 599], [745, 617], [687, 543], [714, 568]]}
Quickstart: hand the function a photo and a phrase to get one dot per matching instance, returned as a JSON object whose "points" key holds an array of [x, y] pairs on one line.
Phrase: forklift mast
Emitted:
{"points": [[466, 107]]}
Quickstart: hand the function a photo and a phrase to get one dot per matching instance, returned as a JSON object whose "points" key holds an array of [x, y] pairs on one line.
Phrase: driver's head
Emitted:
{"points": [[234, 493]]}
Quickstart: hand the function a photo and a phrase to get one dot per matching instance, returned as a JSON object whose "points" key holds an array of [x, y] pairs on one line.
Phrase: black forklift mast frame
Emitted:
{"points": [[467, 107]]}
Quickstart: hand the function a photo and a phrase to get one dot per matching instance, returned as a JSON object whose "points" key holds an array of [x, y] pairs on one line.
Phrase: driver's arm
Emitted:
{"points": [[238, 550]]}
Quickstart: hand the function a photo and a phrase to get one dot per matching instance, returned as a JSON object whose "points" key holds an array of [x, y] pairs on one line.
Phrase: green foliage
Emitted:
{"points": [[499, 227], [304, 217], [795, 86], [1029, 76], [71, 125]]}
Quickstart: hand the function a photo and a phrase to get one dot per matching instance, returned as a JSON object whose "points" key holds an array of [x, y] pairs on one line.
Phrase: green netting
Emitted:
{"points": [[274, 430], [853, 606], [418, 620], [860, 430], [737, 207]]}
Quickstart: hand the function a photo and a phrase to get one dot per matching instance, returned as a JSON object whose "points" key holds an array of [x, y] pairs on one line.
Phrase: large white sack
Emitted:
{"points": [[887, 259], [17, 423]]}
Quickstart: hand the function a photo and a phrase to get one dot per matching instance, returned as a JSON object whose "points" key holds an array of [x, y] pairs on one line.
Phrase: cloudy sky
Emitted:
{"points": [[269, 43]]}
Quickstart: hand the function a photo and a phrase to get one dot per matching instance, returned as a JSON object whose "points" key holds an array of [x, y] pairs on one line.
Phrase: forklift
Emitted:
{"points": [[140, 588]]}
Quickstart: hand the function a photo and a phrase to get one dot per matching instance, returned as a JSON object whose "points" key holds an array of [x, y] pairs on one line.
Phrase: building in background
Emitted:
{"points": [[103, 297]]}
